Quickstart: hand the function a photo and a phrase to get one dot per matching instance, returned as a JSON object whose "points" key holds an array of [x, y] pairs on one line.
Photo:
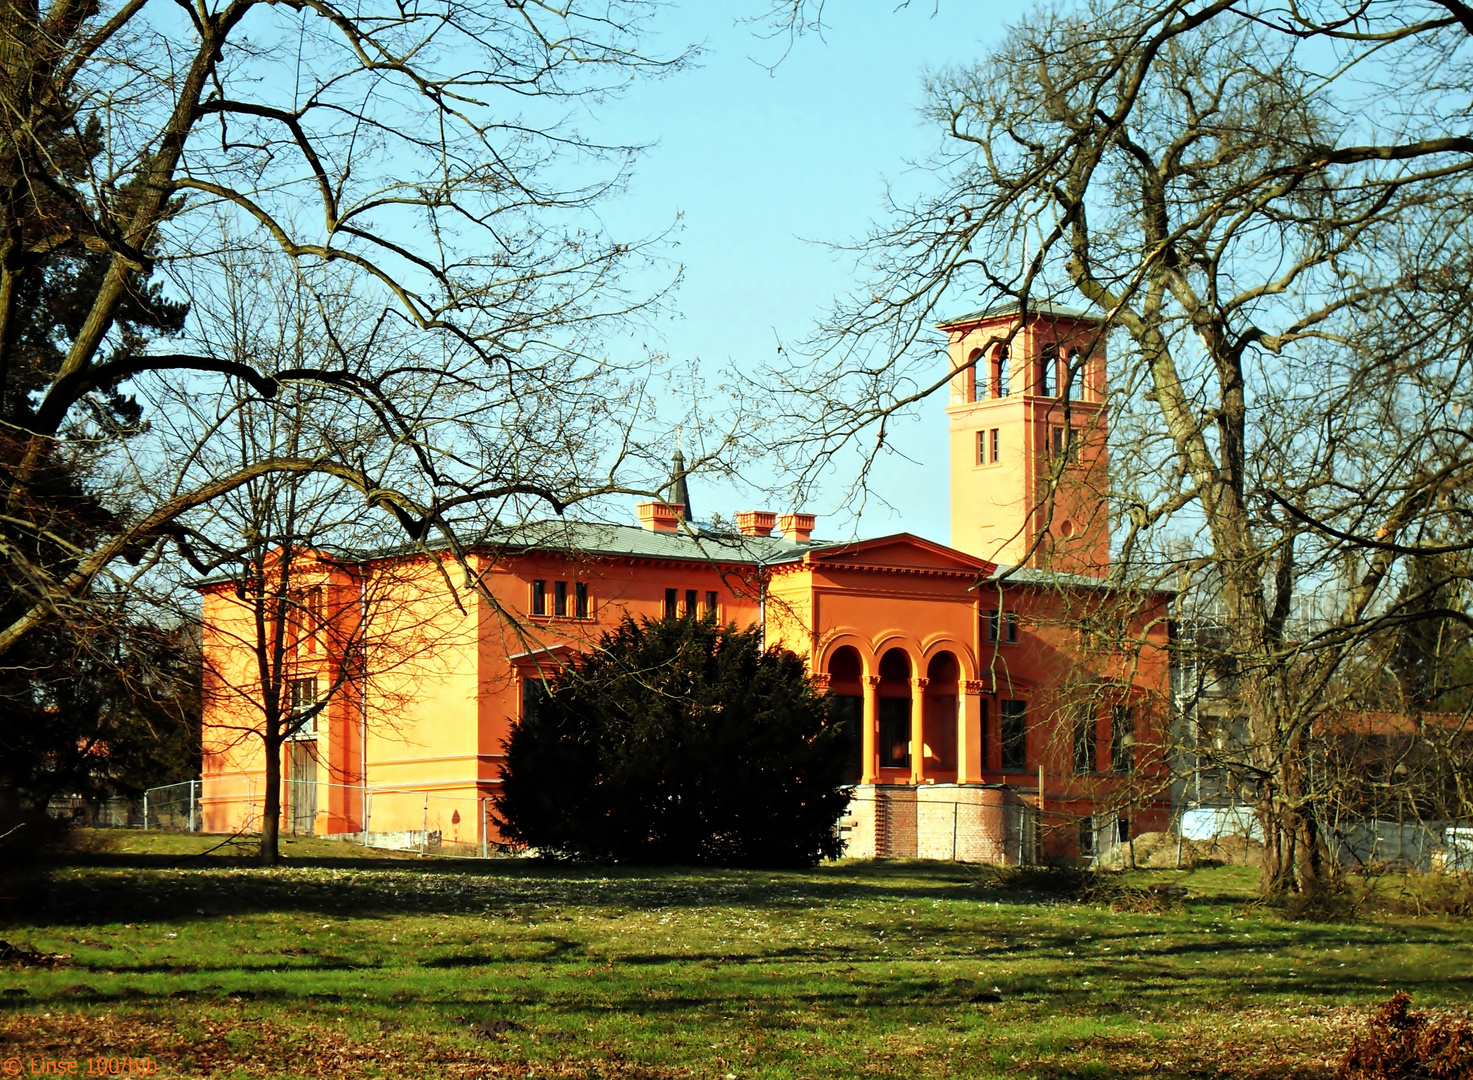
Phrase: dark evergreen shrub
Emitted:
{"points": [[678, 741]]}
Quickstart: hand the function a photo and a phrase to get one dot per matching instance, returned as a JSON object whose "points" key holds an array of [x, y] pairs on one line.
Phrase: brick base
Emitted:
{"points": [[956, 822]]}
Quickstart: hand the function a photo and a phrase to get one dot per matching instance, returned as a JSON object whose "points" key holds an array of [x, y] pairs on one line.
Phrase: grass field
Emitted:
{"points": [[334, 966]]}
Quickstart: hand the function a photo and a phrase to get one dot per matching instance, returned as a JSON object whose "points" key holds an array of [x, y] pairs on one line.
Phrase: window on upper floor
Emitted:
{"points": [[539, 597], [580, 600], [975, 377], [1000, 626], [690, 603], [996, 438], [672, 603], [1000, 372], [1074, 375], [560, 599], [1048, 363], [712, 604], [1064, 443]]}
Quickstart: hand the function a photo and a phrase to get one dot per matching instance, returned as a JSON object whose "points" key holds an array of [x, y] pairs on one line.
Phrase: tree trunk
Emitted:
{"points": [[271, 812]]}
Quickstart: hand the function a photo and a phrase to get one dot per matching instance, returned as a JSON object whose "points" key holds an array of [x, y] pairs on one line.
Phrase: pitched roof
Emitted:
{"points": [[696, 544], [1043, 309]]}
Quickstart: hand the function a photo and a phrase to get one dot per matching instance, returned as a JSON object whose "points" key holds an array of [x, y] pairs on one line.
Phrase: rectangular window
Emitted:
{"points": [[303, 697], [1073, 447], [534, 693], [1122, 739], [711, 605], [560, 599], [986, 735], [996, 444], [1000, 626], [690, 603], [1058, 441], [1084, 741], [672, 603], [314, 617], [1087, 837], [1014, 735], [539, 597], [894, 733], [580, 600]]}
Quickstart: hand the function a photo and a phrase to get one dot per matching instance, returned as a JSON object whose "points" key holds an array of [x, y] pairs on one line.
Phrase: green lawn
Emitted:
{"points": [[376, 967]]}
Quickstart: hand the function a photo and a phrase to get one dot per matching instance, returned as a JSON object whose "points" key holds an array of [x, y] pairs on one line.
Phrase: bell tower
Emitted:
{"points": [[1029, 466]]}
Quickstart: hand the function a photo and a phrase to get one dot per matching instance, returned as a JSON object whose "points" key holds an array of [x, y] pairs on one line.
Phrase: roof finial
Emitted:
{"points": [[679, 494]]}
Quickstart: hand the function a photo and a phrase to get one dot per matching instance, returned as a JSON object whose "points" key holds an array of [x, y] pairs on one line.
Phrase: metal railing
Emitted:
{"points": [[429, 820]]}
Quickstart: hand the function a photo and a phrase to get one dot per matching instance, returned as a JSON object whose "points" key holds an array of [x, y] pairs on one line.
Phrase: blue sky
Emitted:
{"points": [[763, 167]]}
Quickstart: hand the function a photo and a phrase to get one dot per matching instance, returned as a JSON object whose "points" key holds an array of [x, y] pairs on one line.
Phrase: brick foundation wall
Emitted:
{"points": [[961, 822]]}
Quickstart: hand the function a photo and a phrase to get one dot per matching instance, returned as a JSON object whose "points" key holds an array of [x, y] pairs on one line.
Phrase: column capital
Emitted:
{"points": [[820, 681], [972, 686], [871, 680], [921, 684]]}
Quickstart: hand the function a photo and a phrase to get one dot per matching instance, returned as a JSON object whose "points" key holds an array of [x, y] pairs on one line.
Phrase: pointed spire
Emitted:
{"points": [[679, 495]]}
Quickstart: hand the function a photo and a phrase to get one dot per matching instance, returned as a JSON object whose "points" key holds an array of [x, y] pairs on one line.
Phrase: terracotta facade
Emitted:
{"points": [[968, 684]]}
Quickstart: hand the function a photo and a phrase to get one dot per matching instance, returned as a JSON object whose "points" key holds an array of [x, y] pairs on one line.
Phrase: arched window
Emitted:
{"points": [[976, 377], [1075, 376], [1048, 363], [1000, 372]]}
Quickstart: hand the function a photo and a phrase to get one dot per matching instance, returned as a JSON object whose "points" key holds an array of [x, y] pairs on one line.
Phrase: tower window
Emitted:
{"points": [[539, 597], [981, 448], [1000, 372], [1075, 375], [975, 387], [1066, 444], [996, 445], [1046, 365]]}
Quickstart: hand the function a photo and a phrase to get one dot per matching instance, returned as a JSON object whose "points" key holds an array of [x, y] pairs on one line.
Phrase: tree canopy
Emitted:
{"points": [[677, 741], [1268, 206]]}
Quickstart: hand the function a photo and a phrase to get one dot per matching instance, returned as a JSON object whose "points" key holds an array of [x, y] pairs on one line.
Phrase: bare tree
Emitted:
{"points": [[429, 153], [300, 618], [1268, 207]]}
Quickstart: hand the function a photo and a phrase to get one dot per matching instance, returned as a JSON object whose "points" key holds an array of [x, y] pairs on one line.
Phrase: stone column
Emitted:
{"points": [[969, 763], [870, 771], [918, 730]]}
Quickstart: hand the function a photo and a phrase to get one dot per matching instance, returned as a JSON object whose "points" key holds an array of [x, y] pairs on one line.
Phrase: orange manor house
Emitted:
{"points": [[1007, 704]]}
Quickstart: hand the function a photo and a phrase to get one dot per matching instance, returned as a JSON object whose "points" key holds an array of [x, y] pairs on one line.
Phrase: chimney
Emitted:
{"points": [[796, 527], [660, 517], [755, 522]]}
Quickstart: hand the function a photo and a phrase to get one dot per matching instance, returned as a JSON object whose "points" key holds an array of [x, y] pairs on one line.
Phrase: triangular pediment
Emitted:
{"points": [[901, 551]]}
